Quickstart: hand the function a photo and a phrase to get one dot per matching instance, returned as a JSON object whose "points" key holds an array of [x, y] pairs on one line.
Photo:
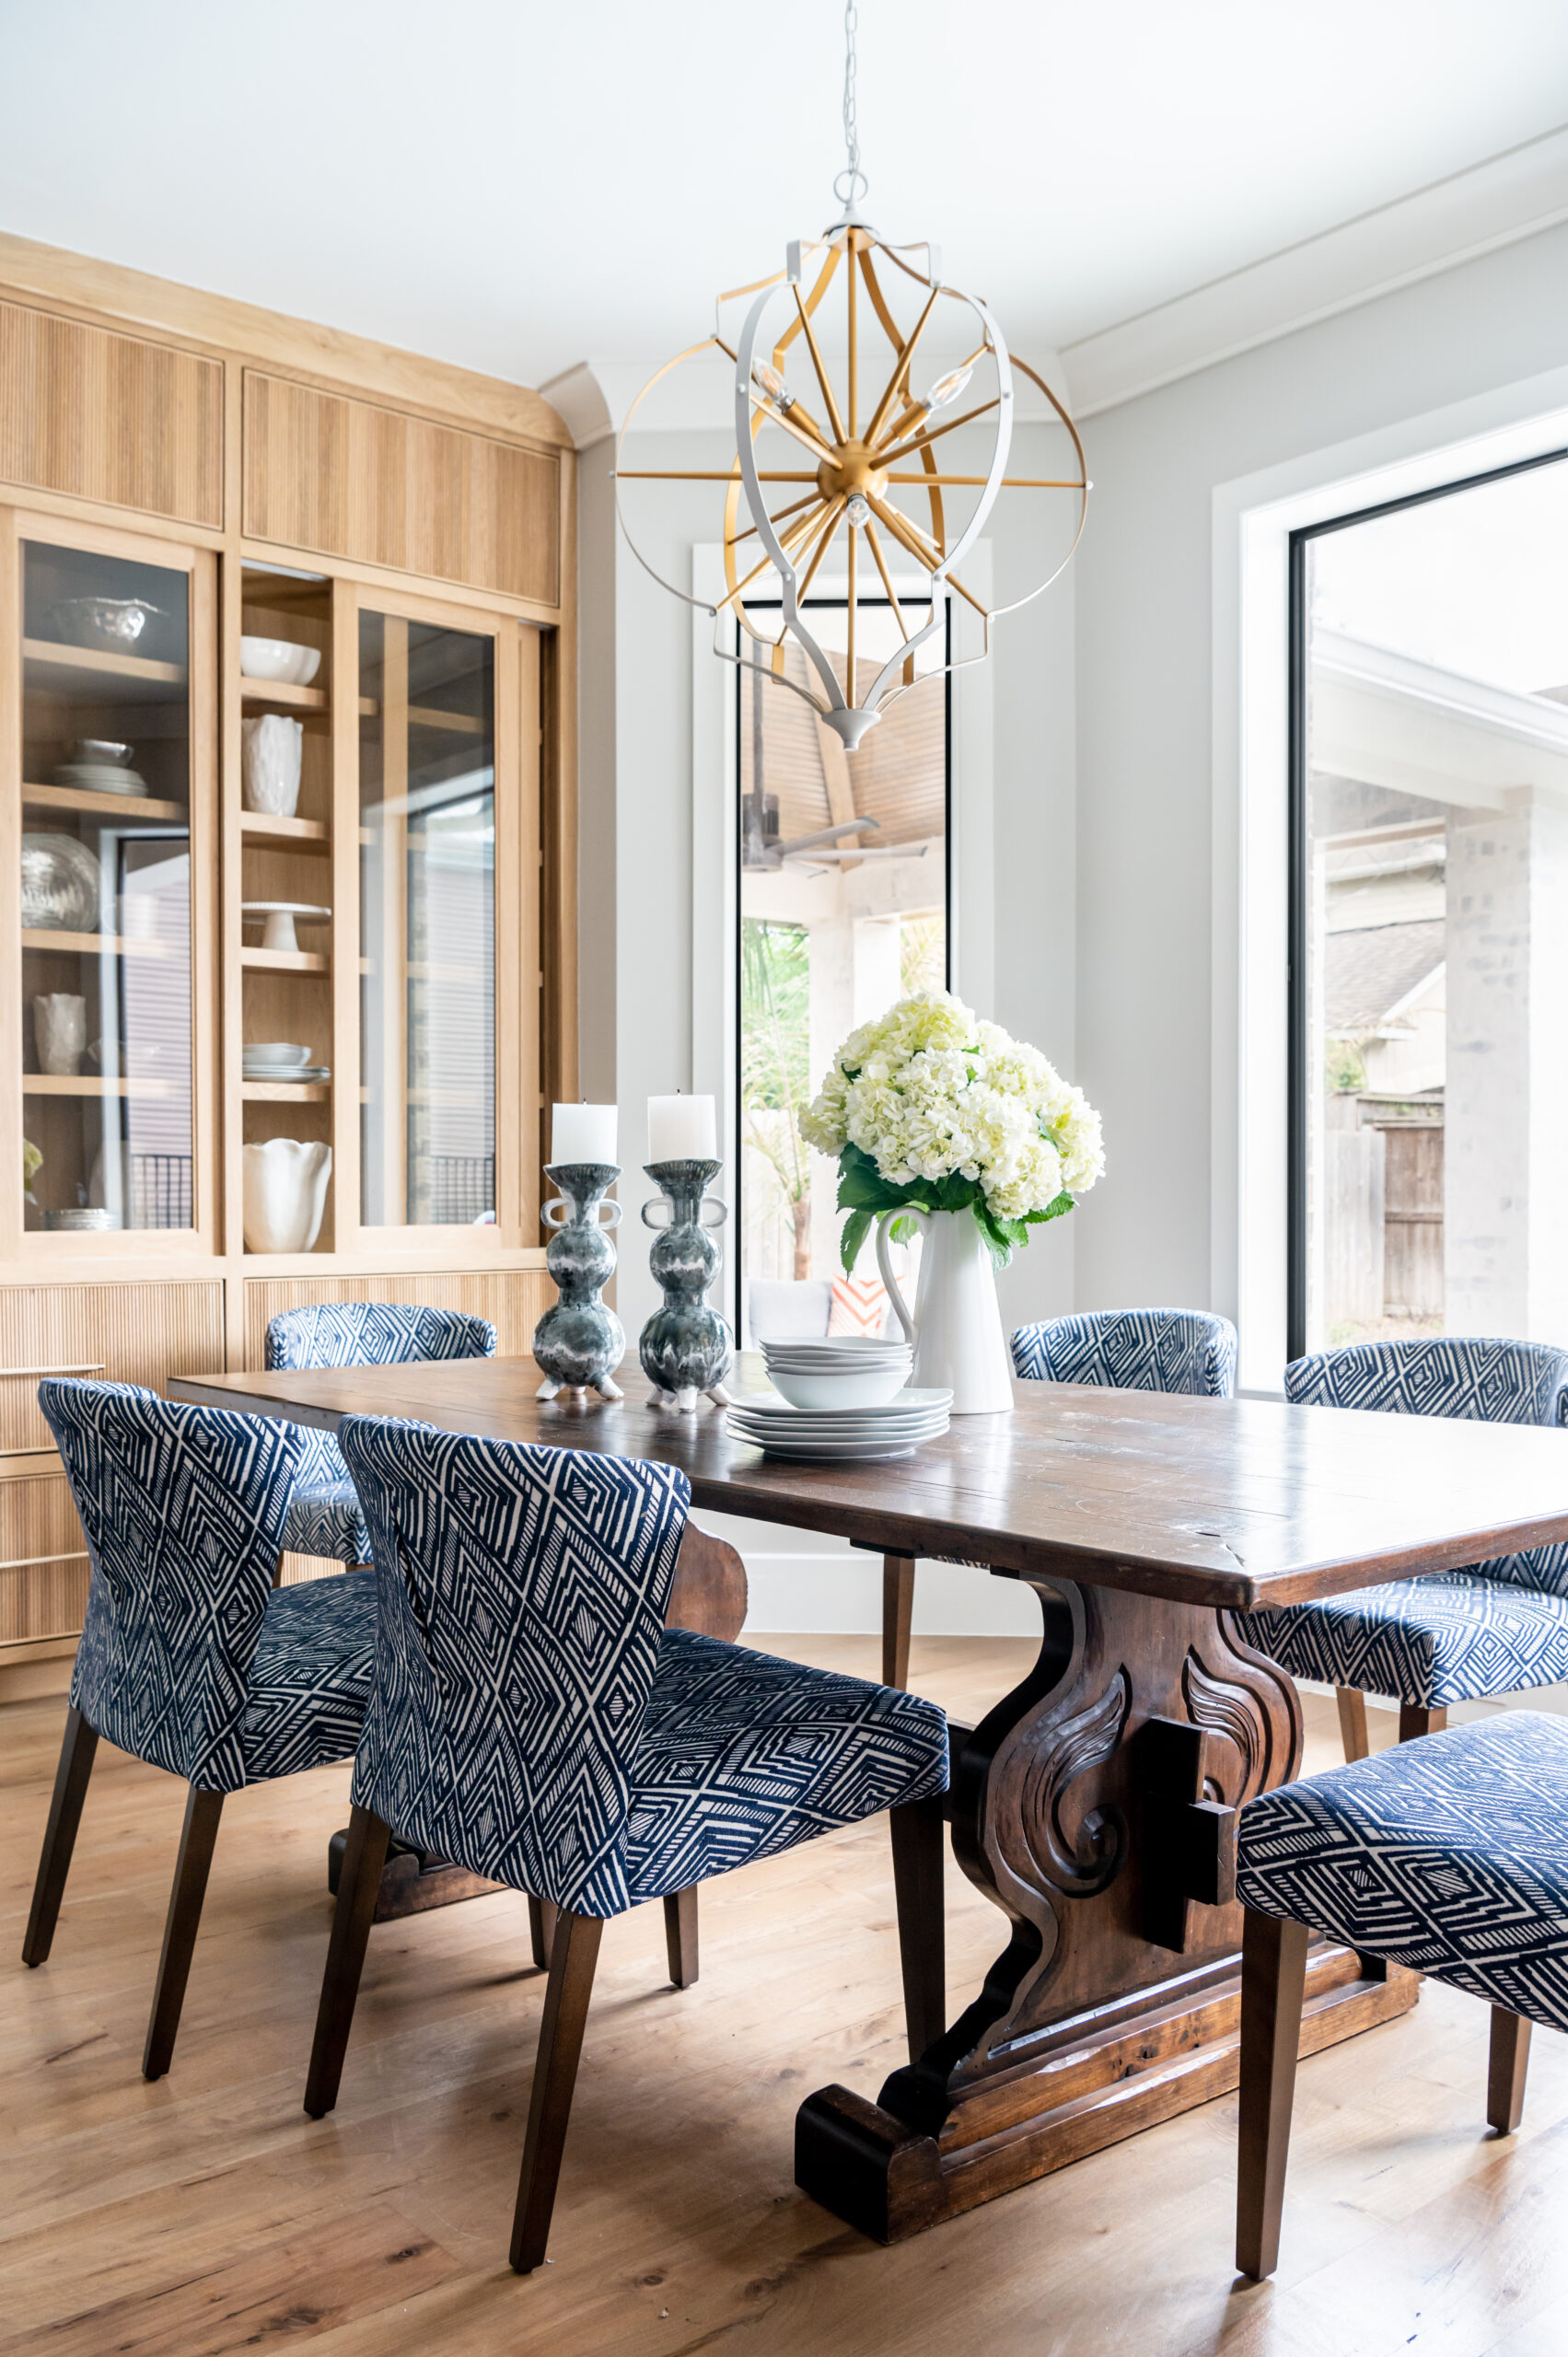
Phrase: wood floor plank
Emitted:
{"points": [[207, 2214]]}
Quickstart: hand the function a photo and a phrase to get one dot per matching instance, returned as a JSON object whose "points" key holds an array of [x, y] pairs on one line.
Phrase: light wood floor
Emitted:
{"points": [[207, 2214]]}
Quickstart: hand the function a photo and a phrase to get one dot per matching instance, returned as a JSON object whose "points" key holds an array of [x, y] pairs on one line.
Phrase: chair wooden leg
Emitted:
{"points": [[572, 1956], [1509, 2062], [1274, 1976], [1353, 1722], [919, 1844], [898, 1606], [542, 1929], [200, 1831], [681, 1936], [77, 1751], [359, 1886], [1417, 1719]]}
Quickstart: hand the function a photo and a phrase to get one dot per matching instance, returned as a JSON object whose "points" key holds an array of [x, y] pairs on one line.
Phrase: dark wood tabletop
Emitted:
{"points": [[1228, 1503]]}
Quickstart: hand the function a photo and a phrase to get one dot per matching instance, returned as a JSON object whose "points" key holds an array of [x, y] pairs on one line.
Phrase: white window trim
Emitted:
{"points": [[1252, 520]]}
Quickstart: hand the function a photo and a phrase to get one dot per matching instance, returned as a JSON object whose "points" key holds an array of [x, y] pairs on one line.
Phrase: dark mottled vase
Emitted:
{"points": [[578, 1343], [686, 1347]]}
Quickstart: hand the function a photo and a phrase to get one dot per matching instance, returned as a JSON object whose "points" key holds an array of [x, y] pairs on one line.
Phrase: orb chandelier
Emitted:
{"points": [[840, 418]]}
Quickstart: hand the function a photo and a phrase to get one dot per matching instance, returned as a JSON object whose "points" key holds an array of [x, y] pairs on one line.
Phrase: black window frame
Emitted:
{"points": [[1298, 1076]]}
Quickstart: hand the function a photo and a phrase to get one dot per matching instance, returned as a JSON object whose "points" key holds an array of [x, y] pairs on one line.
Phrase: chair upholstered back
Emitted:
{"points": [[522, 1595], [1494, 1382], [367, 1333], [1133, 1350], [1438, 1374], [183, 1510]]}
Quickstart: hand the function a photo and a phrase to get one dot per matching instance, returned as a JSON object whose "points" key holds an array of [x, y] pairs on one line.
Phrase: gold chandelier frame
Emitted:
{"points": [[849, 488]]}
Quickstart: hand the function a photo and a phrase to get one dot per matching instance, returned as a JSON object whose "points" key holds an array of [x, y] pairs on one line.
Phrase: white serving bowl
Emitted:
{"points": [[870, 1386], [280, 659]]}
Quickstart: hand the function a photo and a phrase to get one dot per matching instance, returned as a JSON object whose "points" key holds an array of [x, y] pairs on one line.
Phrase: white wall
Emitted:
{"points": [[1147, 966]]}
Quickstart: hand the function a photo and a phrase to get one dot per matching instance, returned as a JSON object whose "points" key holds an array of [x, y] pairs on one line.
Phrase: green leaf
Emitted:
{"points": [[1055, 1209], [904, 1230], [996, 1240], [856, 1230]]}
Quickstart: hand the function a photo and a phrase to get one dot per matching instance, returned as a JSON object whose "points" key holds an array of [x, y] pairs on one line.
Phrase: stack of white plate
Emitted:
{"points": [[840, 1435], [838, 1370]]}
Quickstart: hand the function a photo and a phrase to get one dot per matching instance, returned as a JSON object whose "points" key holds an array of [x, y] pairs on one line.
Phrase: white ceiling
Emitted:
{"points": [[517, 186]]}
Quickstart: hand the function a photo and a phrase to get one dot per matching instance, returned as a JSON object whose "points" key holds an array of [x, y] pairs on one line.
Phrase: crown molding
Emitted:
{"points": [[1471, 213]]}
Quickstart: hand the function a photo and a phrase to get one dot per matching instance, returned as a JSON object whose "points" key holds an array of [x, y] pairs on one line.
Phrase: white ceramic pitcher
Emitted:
{"points": [[957, 1326]]}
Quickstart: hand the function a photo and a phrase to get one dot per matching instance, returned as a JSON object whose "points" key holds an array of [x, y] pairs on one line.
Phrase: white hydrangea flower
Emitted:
{"points": [[928, 1092]]}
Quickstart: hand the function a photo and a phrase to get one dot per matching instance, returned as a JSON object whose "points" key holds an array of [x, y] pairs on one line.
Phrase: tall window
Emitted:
{"points": [[1430, 916], [843, 909]]}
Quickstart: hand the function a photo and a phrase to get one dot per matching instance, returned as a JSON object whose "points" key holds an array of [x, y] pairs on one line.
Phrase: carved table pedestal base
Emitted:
{"points": [[1096, 1805]]}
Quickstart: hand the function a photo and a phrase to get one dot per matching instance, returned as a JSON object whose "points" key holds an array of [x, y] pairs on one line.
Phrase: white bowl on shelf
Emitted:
{"points": [[276, 1055], [279, 660]]}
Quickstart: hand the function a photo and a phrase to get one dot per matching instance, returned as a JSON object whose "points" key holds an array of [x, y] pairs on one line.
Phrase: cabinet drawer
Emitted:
{"points": [[43, 1560], [513, 1299], [128, 1334]]}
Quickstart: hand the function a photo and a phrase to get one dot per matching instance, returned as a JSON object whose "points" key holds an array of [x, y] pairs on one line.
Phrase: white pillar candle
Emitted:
{"points": [[682, 1129], [582, 1134]]}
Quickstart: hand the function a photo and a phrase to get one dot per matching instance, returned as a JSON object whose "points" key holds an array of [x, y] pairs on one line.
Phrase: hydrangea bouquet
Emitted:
{"points": [[928, 1109]]}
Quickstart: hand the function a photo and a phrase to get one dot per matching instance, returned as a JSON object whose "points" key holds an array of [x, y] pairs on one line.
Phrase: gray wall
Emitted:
{"points": [[1143, 688]]}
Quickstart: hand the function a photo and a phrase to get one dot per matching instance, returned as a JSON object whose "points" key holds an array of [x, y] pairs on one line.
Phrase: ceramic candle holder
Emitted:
{"points": [[686, 1347], [578, 1343]]}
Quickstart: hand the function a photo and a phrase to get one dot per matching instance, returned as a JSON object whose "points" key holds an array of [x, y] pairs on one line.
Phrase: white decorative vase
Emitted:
{"points": [[285, 1195], [59, 1029], [957, 1326], [271, 750]]}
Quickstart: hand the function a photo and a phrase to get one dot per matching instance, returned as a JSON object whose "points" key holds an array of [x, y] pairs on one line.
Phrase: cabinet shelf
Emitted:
{"points": [[300, 834], [103, 805], [73, 670], [96, 945], [286, 961], [286, 1092], [54, 1084], [283, 691]]}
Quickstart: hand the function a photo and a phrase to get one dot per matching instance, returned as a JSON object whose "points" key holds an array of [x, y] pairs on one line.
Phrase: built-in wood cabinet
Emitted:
{"points": [[182, 491]]}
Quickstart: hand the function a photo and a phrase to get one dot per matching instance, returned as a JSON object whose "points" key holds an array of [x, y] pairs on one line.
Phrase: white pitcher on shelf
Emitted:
{"points": [[957, 1326]]}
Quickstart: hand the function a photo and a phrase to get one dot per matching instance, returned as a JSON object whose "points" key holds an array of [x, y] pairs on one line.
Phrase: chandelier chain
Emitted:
{"points": [[852, 183]]}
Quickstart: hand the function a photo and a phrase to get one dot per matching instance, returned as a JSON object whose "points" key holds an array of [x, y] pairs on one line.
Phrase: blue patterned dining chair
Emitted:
{"points": [[1126, 1350], [535, 1721], [1448, 1855], [325, 1518], [190, 1658], [1494, 1628]]}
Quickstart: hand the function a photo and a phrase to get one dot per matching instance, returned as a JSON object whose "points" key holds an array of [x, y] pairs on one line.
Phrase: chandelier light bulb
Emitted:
{"points": [[858, 510], [772, 386], [946, 389]]}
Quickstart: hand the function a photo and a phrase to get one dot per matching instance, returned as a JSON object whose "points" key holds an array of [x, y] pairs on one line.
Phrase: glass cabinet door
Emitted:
{"points": [[106, 892], [426, 924]]}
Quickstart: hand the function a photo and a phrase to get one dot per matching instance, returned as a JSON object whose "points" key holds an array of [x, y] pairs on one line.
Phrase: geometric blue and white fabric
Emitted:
{"points": [[520, 1649], [310, 1684], [1455, 1637], [1133, 1350], [326, 1519], [188, 1658], [1449, 1856], [742, 1755], [1495, 1627]]}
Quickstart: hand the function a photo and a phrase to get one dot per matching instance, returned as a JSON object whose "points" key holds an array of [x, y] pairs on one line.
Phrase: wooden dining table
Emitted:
{"points": [[1096, 1803]]}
